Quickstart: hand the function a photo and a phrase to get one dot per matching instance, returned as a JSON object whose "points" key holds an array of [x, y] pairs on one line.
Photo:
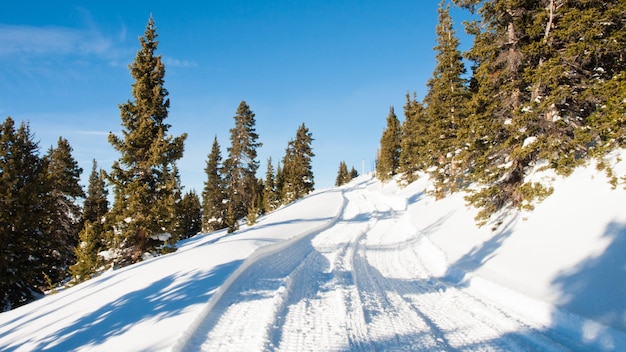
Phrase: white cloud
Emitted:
{"points": [[171, 62], [20, 40]]}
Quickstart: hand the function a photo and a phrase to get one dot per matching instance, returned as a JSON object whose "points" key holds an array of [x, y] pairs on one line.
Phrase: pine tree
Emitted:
{"points": [[414, 141], [213, 195], [543, 72], [189, 220], [389, 153], [91, 237], [342, 175], [25, 249], [280, 183], [65, 213], [240, 167], [578, 64], [270, 193], [86, 252], [495, 155], [353, 173], [96, 205], [445, 105], [298, 180], [143, 178]]}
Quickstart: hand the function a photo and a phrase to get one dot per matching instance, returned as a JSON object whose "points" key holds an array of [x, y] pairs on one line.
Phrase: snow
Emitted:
{"points": [[529, 140], [368, 266]]}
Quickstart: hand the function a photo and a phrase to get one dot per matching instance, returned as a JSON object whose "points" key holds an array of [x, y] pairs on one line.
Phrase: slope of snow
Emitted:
{"points": [[368, 266]]}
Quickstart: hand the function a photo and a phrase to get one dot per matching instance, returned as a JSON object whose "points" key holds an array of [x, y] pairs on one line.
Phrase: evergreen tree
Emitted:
{"points": [[256, 207], [270, 193], [25, 249], [389, 153], [189, 216], [297, 168], [240, 167], [213, 195], [86, 252], [96, 204], [342, 175], [65, 215], [445, 104], [280, 183], [544, 71], [144, 178], [414, 141], [500, 96], [91, 237], [353, 173]]}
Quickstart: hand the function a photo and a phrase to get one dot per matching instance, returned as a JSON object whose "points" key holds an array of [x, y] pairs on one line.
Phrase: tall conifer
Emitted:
{"points": [[65, 212], [342, 174], [144, 178], [213, 195], [189, 220], [91, 237], [240, 167], [413, 145], [446, 103], [96, 204], [297, 168], [389, 153], [270, 193], [25, 249]]}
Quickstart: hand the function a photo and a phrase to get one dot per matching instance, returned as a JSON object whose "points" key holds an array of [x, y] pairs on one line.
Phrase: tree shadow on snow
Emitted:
{"points": [[478, 256], [164, 298], [596, 289]]}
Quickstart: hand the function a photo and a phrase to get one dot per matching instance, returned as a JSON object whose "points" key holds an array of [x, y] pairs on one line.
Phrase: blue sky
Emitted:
{"points": [[335, 65]]}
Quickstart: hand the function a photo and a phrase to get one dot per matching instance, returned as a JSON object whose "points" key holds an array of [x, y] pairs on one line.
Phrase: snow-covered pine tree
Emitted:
{"points": [[297, 169], [189, 219], [86, 252], [96, 205], [496, 120], [213, 194], [445, 106], [270, 194], [91, 237], [413, 145], [239, 170], [144, 179], [389, 153], [548, 81], [65, 217]]}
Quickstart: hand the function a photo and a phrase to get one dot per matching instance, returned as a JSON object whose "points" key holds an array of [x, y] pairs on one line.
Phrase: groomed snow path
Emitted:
{"points": [[359, 285]]}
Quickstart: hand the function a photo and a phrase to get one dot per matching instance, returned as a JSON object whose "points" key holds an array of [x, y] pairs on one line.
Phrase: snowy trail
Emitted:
{"points": [[359, 285]]}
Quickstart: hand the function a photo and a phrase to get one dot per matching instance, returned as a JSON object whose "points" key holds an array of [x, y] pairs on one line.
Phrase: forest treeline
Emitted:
{"points": [[547, 88], [53, 233]]}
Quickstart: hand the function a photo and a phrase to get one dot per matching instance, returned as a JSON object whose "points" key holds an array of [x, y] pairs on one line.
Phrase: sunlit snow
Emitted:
{"points": [[368, 266]]}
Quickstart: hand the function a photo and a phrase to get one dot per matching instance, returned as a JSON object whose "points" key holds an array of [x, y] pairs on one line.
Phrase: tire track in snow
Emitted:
{"points": [[458, 320], [239, 316], [358, 285]]}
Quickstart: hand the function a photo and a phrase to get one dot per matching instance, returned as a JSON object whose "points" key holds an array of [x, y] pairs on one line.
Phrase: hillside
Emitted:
{"points": [[366, 266]]}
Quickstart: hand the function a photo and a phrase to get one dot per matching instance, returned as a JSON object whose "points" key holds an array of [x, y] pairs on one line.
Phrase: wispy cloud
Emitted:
{"points": [[171, 62], [20, 40]]}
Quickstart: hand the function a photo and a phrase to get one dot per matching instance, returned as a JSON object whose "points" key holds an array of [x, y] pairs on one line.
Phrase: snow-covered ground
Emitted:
{"points": [[368, 266]]}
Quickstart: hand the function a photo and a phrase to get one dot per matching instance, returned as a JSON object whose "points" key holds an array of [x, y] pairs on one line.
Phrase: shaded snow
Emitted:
{"points": [[365, 266]]}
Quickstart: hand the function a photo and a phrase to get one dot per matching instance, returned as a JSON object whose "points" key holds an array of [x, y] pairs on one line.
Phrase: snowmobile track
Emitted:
{"points": [[358, 285]]}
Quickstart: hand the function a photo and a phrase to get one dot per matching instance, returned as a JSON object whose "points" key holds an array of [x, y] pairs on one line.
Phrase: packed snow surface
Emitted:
{"points": [[368, 266]]}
